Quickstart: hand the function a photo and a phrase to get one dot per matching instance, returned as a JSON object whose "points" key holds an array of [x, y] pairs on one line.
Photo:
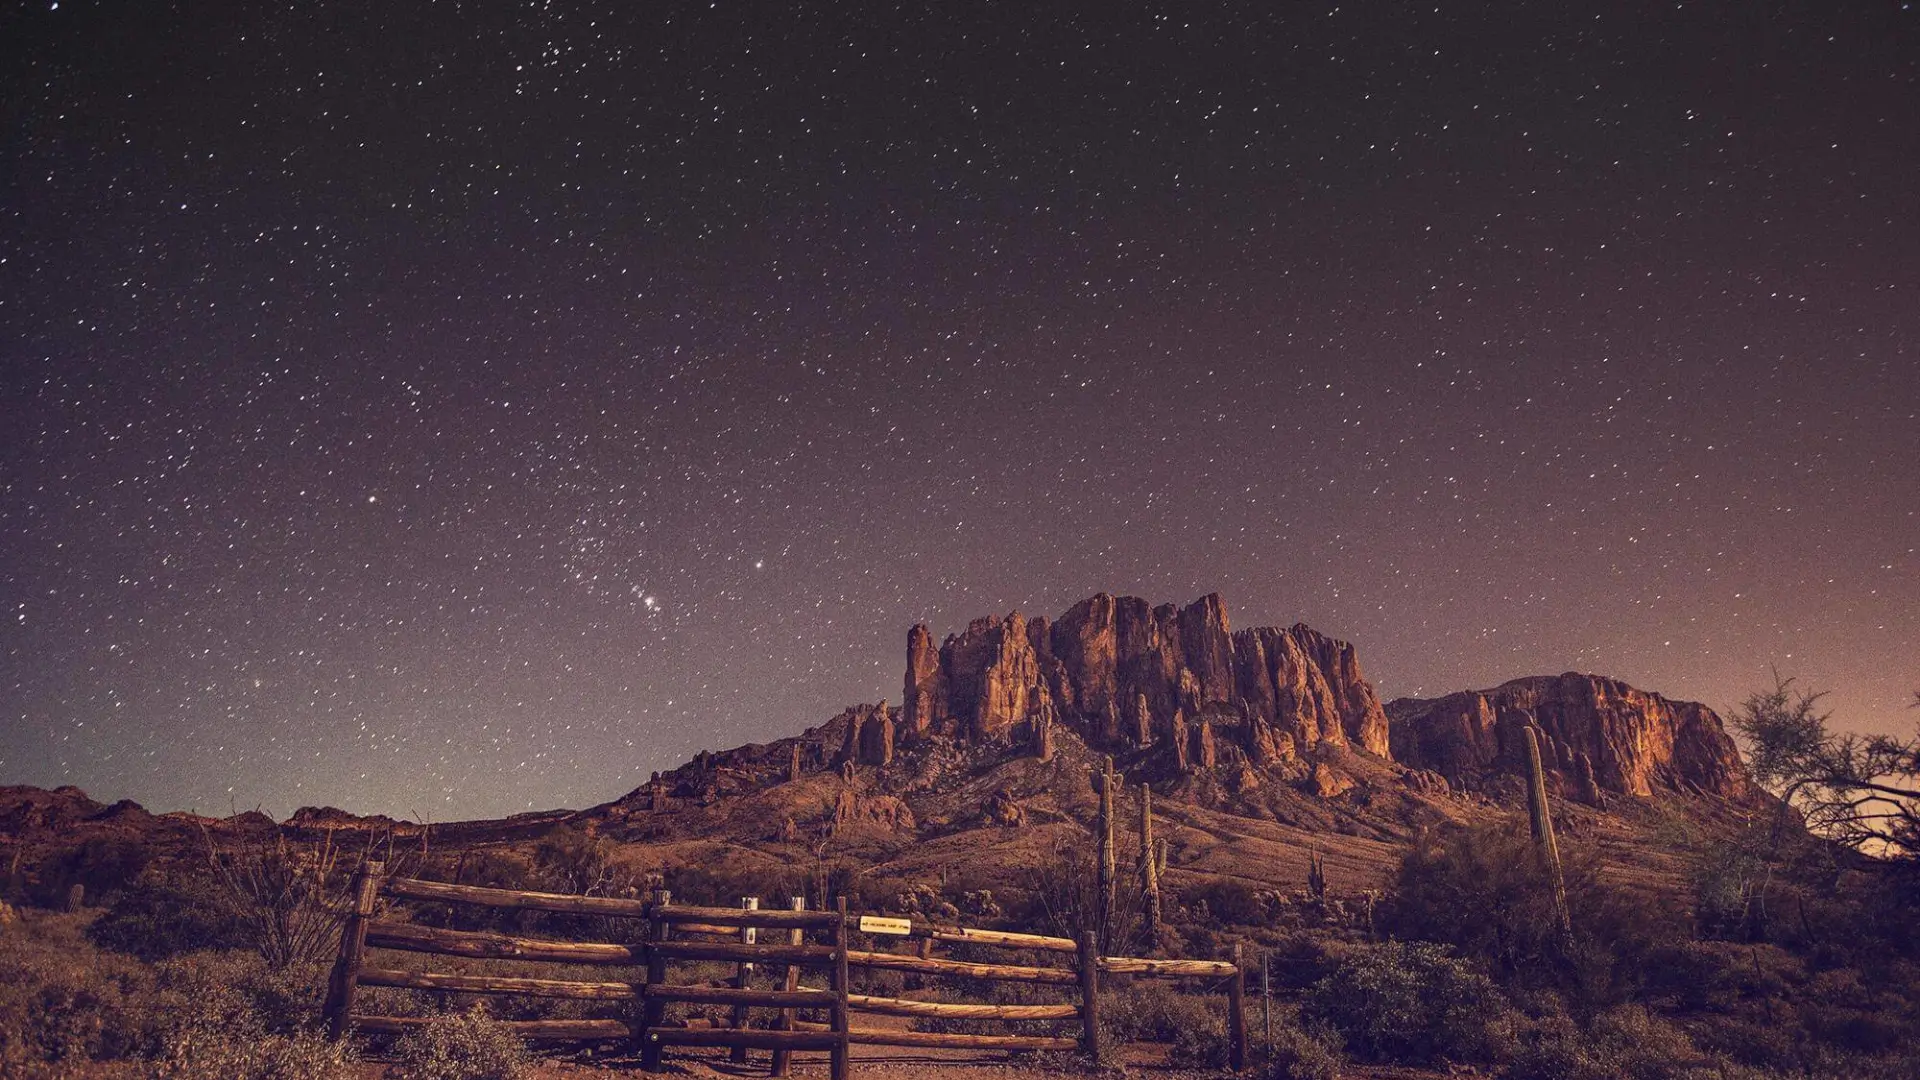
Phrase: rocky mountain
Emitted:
{"points": [[1600, 735], [1260, 745], [1127, 675]]}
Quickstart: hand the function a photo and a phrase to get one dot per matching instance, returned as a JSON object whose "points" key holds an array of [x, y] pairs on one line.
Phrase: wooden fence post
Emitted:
{"points": [[837, 1067], [353, 946], [654, 1009], [783, 1058], [1237, 1010], [742, 976], [1089, 954]]}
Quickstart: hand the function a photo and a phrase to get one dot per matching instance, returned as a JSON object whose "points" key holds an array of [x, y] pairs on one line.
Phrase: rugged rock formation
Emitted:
{"points": [[1125, 674], [1600, 735], [869, 735]]}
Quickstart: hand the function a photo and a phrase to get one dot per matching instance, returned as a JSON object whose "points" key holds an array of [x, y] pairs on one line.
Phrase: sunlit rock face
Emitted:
{"points": [[1599, 735], [1127, 675]]}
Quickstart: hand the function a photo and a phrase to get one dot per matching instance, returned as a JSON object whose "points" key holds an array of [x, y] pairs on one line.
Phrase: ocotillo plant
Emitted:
{"points": [[1540, 817]]}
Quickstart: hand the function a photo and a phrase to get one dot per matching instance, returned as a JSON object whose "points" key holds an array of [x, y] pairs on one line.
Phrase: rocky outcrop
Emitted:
{"points": [[1597, 735], [869, 735], [1125, 674]]}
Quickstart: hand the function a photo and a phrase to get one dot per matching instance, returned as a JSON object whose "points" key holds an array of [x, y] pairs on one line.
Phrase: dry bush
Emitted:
{"points": [[1300, 1051], [466, 1046]]}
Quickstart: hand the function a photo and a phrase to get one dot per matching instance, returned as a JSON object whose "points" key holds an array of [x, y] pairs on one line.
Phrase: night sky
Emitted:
{"points": [[449, 409]]}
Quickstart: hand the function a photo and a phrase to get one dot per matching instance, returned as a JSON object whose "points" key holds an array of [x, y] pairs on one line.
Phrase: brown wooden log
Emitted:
{"points": [[554, 1030], [731, 933], [733, 917], [1166, 969], [1000, 972], [733, 950], [1237, 1011], [353, 950], [731, 995], [495, 984], [486, 946], [949, 1040], [1004, 938], [838, 1014], [655, 1008], [755, 1038], [886, 1006], [1089, 978], [782, 1058], [515, 899]]}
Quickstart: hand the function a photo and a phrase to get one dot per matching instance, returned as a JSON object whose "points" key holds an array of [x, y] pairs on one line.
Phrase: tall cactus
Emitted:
{"points": [[1149, 868], [1109, 870], [1540, 817]]}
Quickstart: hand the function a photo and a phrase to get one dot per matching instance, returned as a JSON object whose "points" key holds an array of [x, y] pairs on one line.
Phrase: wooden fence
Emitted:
{"points": [[675, 934]]}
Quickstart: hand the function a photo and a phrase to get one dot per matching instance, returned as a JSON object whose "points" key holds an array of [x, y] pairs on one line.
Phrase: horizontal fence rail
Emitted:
{"points": [[786, 947]]}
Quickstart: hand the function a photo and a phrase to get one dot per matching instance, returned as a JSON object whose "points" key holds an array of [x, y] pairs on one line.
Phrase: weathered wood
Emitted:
{"points": [[734, 951], [1237, 1011], [755, 1038], [654, 1010], [740, 996], [496, 984], [1165, 969], [553, 1030], [734, 917], [838, 1014], [353, 949], [514, 899], [742, 973], [1003, 938], [1000, 972], [488, 946], [783, 1058], [728, 932], [886, 1006], [947, 1040], [1089, 978]]}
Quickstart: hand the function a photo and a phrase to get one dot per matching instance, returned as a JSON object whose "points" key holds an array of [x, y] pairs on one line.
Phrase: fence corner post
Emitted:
{"points": [[654, 1009], [353, 946], [1237, 1010], [837, 1064], [742, 975], [1089, 955]]}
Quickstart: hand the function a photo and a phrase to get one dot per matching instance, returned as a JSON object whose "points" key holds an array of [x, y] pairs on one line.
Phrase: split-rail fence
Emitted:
{"points": [[682, 933]]}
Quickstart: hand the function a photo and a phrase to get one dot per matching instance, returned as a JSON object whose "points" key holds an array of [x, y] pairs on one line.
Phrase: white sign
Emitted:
{"points": [[875, 924]]}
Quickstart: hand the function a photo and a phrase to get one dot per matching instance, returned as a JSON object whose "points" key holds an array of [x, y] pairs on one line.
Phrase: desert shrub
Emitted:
{"points": [[1227, 901], [1624, 1043], [1413, 1003], [160, 917], [465, 1046], [1485, 892], [196, 1052], [1303, 1052], [1148, 1010]]}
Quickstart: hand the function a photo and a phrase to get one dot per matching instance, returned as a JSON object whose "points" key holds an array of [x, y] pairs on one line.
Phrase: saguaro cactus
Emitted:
{"points": [[1539, 815], [1148, 868]]}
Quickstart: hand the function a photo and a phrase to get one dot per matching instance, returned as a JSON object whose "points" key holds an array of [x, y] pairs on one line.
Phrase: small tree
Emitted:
{"points": [[1860, 790]]}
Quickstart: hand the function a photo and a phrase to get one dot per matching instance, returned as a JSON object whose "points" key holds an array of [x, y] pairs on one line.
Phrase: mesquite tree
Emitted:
{"points": [[1860, 790]]}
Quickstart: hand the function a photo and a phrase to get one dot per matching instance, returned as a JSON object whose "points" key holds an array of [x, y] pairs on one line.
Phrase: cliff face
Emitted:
{"points": [[1128, 675], [1600, 735]]}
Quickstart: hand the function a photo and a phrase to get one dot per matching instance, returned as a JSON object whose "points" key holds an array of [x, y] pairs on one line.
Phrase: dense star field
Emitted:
{"points": [[449, 409]]}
